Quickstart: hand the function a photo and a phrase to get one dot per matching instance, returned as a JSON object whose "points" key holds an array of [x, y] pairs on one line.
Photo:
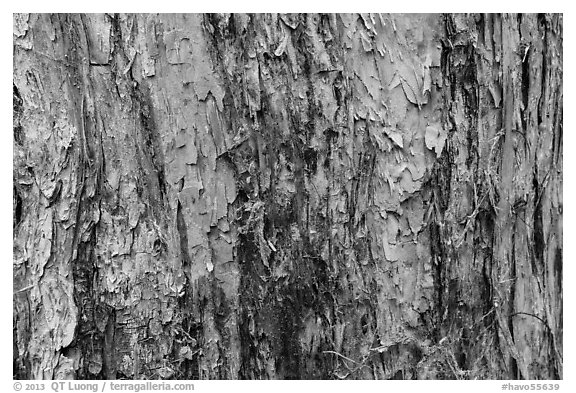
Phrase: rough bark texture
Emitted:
{"points": [[288, 196]]}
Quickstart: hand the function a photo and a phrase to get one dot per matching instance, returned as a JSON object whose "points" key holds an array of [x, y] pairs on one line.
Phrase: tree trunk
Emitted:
{"points": [[288, 196]]}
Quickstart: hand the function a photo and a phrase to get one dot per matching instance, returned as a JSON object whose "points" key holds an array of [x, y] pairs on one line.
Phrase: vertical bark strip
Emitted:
{"points": [[287, 196]]}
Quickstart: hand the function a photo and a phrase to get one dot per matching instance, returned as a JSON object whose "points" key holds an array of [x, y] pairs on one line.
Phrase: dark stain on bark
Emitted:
{"points": [[183, 233], [108, 347], [88, 338], [17, 111], [17, 212], [539, 240], [250, 301]]}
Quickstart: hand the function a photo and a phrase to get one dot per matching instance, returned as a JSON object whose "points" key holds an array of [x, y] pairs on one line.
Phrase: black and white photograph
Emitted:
{"points": [[287, 196]]}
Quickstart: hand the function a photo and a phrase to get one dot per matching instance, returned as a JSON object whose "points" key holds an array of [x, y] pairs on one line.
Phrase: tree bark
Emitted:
{"points": [[288, 196]]}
